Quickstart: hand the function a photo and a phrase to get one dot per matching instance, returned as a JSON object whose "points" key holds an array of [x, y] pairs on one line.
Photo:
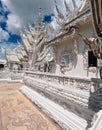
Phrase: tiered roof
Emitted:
{"points": [[12, 57]]}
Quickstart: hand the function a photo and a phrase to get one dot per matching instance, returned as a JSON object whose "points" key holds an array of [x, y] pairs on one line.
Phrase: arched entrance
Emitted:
{"points": [[1, 66]]}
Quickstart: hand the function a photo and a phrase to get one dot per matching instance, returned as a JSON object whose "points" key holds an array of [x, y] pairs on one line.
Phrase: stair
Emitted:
{"points": [[97, 121], [73, 99], [66, 119]]}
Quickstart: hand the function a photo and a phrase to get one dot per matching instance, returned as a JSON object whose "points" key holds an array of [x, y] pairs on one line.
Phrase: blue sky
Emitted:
{"points": [[17, 14]]}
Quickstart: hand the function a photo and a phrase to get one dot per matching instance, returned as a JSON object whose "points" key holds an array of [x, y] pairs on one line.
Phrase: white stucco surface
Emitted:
{"points": [[78, 63]]}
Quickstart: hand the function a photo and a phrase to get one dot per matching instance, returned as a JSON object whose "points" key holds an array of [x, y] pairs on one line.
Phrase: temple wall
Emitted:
{"points": [[76, 53]]}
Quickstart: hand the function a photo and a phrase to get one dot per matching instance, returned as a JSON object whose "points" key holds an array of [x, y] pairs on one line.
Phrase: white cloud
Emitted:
{"points": [[8, 46], [4, 35], [13, 23], [25, 11], [2, 53]]}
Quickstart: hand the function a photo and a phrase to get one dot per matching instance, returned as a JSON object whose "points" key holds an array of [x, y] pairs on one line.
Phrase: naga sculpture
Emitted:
{"points": [[95, 44]]}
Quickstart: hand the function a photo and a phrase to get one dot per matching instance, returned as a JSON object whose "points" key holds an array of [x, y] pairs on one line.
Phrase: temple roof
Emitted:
{"points": [[77, 18], [78, 14], [12, 58], [2, 61]]}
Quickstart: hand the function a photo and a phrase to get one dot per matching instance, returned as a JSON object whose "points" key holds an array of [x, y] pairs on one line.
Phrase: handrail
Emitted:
{"points": [[75, 82]]}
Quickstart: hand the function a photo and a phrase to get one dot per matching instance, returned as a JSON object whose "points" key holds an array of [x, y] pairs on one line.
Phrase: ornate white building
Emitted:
{"points": [[70, 53], [72, 56]]}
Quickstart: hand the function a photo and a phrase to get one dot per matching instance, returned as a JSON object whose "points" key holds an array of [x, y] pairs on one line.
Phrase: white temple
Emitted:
{"points": [[64, 83]]}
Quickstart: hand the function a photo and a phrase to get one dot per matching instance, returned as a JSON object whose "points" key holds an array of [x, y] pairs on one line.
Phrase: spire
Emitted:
{"points": [[40, 10], [60, 15], [67, 7], [39, 19], [74, 4]]}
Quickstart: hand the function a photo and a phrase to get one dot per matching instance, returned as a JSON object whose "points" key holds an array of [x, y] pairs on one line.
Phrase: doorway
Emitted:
{"points": [[92, 60], [1, 66]]}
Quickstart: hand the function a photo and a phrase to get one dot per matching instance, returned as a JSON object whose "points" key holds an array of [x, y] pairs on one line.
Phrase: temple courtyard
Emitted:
{"points": [[18, 113]]}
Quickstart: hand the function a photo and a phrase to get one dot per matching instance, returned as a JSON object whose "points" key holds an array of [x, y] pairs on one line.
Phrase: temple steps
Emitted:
{"points": [[97, 121], [66, 119], [73, 99]]}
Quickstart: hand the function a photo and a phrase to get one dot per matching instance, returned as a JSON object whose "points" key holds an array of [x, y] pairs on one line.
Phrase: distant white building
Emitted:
{"points": [[13, 62]]}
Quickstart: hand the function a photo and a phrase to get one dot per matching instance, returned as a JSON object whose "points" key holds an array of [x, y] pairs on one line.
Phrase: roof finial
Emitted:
{"points": [[39, 19], [67, 7], [60, 15], [74, 4], [40, 10]]}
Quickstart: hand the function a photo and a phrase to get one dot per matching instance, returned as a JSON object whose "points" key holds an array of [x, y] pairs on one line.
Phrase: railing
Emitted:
{"points": [[74, 82], [84, 84], [5, 74], [13, 75]]}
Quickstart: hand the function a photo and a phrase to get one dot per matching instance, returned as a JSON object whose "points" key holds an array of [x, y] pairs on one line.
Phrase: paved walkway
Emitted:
{"points": [[18, 113]]}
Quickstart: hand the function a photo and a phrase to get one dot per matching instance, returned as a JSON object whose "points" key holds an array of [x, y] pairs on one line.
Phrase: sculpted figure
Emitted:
{"points": [[95, 45]]}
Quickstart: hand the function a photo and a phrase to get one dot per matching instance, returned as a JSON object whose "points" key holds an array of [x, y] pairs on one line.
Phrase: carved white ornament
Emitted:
{"points": [[66, 60], [85, 57]]}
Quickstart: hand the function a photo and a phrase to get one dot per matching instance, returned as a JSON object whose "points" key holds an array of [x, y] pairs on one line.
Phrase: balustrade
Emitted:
{"points": [[72, 82]]}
